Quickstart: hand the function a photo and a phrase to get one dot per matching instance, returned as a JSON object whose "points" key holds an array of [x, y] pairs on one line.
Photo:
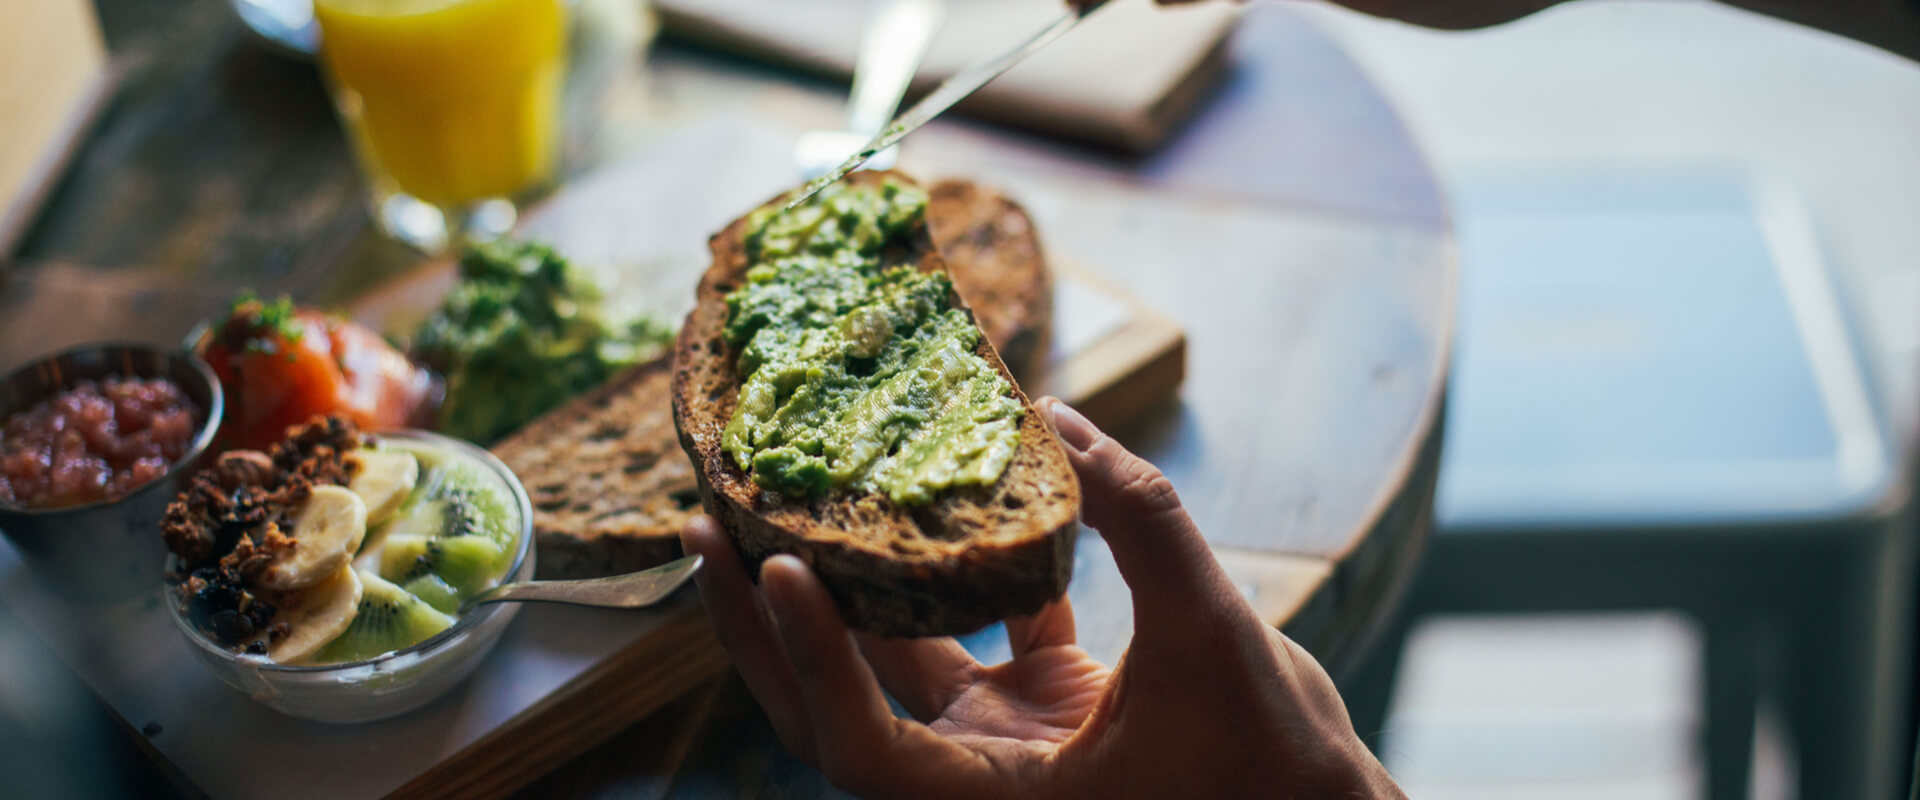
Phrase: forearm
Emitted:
{"points": [[1892, 25]]}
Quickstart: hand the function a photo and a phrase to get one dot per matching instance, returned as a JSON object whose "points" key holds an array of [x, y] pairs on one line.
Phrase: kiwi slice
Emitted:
{"points": [[389, 618], [421, 516], [434, 591], [468, 564], [477, 506], [456, 500]]}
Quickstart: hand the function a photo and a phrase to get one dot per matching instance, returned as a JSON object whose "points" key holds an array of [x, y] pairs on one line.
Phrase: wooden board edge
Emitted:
{"points": [[1421, 450], [18, 216], [176, 779], [661, 666], [1342, 615], [1132, 369], [1280, 587], [1379, 571], [1111, 383]]}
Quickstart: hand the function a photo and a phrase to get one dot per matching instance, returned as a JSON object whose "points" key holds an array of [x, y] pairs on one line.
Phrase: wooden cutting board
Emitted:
{"points": [[1156, 65]]}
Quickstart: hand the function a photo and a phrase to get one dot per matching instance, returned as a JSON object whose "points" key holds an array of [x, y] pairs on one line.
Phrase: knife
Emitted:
{"points": [[955, 89]]}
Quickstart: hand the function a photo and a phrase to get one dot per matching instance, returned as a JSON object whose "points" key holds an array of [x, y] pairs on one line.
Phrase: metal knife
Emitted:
{"points": [[955, 89]]}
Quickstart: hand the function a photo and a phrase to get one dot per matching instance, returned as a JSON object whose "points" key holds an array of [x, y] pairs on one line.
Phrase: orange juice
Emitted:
{"points": [[449, 101]]}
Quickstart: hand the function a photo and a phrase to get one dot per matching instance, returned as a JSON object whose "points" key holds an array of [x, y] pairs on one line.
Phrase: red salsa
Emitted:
{"points": [[93, 442]]}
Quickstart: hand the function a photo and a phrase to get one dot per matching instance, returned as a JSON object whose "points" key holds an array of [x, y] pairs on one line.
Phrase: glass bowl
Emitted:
{"points": [[110, 550], [396, 682]]}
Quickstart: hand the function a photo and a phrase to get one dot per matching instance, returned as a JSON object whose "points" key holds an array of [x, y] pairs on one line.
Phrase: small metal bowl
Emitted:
{"points": [[110, 550]]}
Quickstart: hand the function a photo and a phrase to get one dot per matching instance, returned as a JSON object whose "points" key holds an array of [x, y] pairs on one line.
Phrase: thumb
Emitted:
{"points": [[1160, 552]]}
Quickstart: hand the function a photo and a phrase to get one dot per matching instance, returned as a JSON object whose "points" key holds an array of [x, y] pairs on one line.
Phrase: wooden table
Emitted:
{"points": [[1293, 229]]}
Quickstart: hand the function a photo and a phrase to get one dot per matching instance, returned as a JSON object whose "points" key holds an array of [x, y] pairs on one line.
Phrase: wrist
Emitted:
{"points": [[1378, 785], [1364, 776]]}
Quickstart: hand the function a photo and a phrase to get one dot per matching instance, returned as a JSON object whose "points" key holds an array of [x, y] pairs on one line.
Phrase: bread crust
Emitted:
{"points": [[997, 263], [974, 556]]}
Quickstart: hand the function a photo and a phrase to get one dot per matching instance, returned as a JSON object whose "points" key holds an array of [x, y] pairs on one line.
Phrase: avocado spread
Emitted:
{"points": [[524, 331], [858, 374]]}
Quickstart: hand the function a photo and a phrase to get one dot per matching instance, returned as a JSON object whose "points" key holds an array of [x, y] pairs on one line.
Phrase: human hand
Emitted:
{"points": [[1207, 702], [1449, 14]]}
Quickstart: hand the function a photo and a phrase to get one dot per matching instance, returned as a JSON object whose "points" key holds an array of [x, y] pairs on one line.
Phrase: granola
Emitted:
{"points": [[232, 521]]}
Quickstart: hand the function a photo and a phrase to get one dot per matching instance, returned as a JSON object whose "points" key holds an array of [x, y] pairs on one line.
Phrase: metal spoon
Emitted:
{"points": [[632, 590], [287, 25], [890, 52]]}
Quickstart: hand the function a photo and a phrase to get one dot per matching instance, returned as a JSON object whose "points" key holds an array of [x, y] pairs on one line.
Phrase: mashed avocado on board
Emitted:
{"points": [[524, 331], [858, 374]]}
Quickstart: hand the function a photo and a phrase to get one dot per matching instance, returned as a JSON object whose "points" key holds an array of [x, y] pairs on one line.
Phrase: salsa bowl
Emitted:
{"points": [[108, 550]]}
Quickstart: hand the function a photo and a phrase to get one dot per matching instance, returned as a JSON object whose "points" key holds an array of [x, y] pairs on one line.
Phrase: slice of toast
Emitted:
{"points": [[610, 486], [995, 259], [973, 556]]}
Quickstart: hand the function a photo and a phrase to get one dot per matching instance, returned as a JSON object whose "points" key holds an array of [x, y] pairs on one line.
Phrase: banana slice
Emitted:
{"points": [[326, 533], [382, 478], [316, 615]]}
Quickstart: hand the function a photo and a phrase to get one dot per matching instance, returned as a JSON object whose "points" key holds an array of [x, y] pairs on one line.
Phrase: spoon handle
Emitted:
{"points": [[632, 590], [890, 53]]}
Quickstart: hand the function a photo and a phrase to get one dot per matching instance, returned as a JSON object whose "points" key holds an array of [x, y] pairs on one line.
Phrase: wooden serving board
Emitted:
{"points": [[561, 679]]}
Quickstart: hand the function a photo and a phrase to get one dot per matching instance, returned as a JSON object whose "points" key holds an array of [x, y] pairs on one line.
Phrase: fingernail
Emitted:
{"points": [[1074, 430], [694, 533], [779, 600]]}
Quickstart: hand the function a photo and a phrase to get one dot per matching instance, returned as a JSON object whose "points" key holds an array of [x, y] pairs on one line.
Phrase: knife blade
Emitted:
{"points": [[953, 90]]}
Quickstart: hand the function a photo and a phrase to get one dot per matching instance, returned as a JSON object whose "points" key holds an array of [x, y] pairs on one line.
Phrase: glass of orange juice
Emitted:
{"points": [[453, 107]]}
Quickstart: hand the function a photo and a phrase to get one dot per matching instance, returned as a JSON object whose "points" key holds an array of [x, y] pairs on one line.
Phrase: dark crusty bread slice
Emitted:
{"points": [[994, 257], [974, 556], [610, 486]]}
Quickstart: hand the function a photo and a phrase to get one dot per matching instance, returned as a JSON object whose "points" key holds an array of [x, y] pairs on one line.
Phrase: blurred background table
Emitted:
{"points": [[1292, 227]]}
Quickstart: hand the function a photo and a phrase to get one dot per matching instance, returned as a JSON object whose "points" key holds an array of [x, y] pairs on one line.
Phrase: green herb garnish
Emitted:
{"points": [[255, 326]]}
